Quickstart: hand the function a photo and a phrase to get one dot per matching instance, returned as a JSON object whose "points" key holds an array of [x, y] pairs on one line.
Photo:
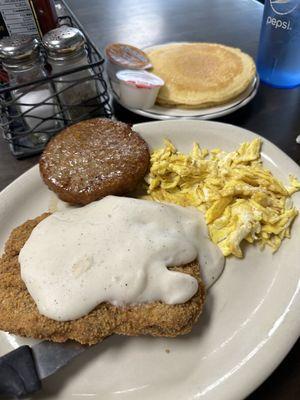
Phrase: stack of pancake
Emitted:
{"points": [[199, 75]]}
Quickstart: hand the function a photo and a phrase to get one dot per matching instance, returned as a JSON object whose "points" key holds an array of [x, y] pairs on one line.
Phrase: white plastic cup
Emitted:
{"points": [[138, 89]]}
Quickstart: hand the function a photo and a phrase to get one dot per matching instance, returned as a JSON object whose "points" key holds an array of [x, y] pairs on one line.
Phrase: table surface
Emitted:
{"points": [[274, 113]]}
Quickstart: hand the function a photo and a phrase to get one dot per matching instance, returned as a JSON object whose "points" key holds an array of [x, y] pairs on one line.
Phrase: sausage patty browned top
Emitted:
{"points": [[93, 159]]}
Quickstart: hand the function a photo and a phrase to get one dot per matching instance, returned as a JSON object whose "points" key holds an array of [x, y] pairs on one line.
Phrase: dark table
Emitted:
{"points": [[274, 113]]}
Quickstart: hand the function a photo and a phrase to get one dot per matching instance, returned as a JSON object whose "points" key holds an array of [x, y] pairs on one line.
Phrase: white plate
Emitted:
{"points": [[251, 318], [165, 113]]}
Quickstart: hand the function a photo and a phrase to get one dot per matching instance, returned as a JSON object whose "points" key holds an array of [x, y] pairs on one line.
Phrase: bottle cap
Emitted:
{"points": [[18, 50], [63, 42]]}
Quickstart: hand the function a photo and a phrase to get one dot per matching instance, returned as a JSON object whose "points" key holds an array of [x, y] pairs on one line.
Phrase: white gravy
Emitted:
{"points": [[115, 250]]}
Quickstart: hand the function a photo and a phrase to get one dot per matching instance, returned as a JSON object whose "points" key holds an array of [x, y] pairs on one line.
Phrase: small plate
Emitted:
{"points": [[166, 113], [251, 318]]}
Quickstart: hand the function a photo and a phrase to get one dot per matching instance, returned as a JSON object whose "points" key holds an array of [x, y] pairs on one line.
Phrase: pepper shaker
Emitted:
{"points": [[78, 91]]}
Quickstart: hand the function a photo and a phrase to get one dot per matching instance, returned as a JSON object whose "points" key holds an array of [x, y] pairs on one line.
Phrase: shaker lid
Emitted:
{"points": [[63, 42], [18, 49]]}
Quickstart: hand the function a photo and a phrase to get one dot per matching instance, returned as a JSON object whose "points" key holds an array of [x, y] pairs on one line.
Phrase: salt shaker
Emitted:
{"points": [[23, 63], [78, 91]]}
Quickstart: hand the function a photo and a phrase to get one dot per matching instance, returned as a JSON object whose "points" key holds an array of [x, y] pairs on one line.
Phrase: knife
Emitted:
{"points": [[22, 370]]}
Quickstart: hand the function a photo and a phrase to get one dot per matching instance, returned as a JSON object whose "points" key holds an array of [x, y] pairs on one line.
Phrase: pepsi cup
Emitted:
{"points": [[278, 61]]}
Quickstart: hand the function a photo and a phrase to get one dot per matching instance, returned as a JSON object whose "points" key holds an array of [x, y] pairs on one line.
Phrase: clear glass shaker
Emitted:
{"points": [[78, 92], [23, 63]]}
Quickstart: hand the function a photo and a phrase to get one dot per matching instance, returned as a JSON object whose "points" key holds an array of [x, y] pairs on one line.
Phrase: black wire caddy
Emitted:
{"points": [[25, 140]]}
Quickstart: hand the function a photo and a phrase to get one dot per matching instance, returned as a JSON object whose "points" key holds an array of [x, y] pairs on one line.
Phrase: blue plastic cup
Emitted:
{"points": [[278, 61]]}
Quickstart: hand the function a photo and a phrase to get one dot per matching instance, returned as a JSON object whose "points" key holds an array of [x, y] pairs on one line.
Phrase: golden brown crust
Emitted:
{"points": [[19, 314], [93, 159]]}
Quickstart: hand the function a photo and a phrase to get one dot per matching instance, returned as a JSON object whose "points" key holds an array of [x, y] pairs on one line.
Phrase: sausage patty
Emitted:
{"points": [[93, 159]]}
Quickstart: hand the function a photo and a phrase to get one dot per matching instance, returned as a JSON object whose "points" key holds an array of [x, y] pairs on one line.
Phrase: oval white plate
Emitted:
{"points": [[166, 113], [251, 318]]}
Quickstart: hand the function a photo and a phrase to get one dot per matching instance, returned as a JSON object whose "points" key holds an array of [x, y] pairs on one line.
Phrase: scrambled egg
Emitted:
{"points": [[241, 199]]}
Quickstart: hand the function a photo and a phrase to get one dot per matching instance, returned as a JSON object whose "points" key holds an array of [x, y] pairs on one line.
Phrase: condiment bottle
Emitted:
{"points": [[46, 15], [28, 17], [78, 91], [23, 63]]}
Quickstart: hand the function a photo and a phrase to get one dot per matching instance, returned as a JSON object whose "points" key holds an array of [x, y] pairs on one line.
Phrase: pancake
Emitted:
{"points": [[200, 75]]}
